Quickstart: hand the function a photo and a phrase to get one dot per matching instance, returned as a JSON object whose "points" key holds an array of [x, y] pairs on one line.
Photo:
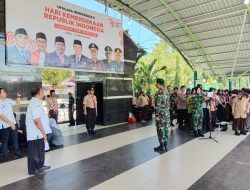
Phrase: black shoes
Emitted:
{"points": [[161, 147], [200, 133], [237, 133], [38, 172], [45, 167], [243, 133], [91, 132], [18, 156], [71, 125]]}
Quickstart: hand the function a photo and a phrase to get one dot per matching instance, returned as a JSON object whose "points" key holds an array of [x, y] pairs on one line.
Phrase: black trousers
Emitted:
{"points": [[213, 119], [239, 124], [90, 118], [71, 117], [206, 119], [36, 155], [182, 116], [6, 134]]}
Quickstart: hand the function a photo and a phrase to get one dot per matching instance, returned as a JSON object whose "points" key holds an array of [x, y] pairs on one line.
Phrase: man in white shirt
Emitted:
{"points": [[37, 125], [7, 124]]}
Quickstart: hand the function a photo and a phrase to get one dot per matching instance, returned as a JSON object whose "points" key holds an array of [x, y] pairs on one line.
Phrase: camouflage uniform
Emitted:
{"points": [[162, 112], [197, 111], [173, 106]]}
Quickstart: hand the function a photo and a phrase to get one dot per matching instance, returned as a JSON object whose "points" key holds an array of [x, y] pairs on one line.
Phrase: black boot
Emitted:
{"points": [[243, 133], [237, 133], [88, 132], [165, 146], [200, 133], [196, 134], [159, 148], [93, 132]]}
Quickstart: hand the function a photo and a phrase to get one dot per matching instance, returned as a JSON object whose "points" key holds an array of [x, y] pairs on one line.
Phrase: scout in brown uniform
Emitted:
{"points": [[240, 109], [95, 63], [90, 110]]}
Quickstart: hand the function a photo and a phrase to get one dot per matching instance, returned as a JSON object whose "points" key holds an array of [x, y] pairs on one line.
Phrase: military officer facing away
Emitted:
{"points": [[95, 64], [78, 60], [108, 61], [162, 116], [18, 53]]}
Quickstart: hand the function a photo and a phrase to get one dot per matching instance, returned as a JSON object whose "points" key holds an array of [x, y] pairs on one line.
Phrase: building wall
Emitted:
{"points": [[117, 88]]}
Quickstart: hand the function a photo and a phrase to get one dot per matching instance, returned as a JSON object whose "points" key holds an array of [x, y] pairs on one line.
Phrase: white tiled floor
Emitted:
{"points": [[67, 131], [17, 170], [178, 169]]}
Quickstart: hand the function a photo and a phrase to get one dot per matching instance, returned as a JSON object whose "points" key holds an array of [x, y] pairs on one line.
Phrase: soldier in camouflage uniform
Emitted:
{"points": [[162, 116], [197, 111], [173, 106]]}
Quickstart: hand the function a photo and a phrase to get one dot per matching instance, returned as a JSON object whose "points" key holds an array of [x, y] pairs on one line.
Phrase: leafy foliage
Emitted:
{"points": [[55, 77], [163, 62]]}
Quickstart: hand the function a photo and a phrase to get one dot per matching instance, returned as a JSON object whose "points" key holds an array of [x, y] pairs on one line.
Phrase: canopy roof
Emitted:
{"points": [[213, 34]]}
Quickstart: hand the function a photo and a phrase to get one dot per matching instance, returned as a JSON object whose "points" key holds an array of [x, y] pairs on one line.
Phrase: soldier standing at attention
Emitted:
{"points": [[90, 110], [197, 111], [95, 63], [162, 116]]}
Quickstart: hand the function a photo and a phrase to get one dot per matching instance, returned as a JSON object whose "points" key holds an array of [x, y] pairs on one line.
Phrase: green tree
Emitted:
{"points": [[169, 64], [177, 73], [146, 74], [55, 77]]}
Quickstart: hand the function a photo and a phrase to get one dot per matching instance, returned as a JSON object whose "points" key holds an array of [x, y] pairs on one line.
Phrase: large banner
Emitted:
{"points": [[56, 34]]}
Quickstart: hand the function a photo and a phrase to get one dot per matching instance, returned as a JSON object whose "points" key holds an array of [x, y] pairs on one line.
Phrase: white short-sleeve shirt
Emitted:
{"points": [[36, 110], [7, 111]]}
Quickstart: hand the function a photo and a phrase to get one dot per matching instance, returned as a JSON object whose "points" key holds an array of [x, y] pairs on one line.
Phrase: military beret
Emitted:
{"points": [[78, 42], [160, 81], [118, 50], [59, 39], [93, 46], [41, 35], [21, 31], [108, 49]]}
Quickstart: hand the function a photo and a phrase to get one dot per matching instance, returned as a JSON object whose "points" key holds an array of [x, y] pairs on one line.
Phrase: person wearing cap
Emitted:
{"points": [[18, 54], [95, 64], [118, 63], [162, 116], [90, 110], [78, 60], [240, 109], [108, 61], [58, 58], [39, 55]]}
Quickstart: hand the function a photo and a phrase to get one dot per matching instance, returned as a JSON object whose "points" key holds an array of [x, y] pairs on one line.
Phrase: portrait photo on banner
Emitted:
{"points": [[57, 34]]}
